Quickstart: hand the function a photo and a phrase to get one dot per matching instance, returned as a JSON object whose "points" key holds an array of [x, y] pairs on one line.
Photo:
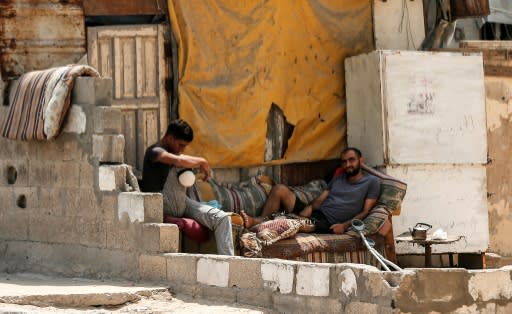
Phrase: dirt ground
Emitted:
{"points": [[161, 302], [35, 293]]}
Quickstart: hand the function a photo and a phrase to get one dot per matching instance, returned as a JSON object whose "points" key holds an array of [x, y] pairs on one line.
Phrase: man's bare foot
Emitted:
{"points": [[250, 221]]}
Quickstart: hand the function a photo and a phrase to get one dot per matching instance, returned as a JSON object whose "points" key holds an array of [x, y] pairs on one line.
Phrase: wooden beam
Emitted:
{"points": [[125, 7]]}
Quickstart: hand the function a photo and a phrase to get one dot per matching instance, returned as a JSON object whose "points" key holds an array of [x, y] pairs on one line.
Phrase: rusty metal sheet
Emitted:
{"points": [[38, 34], [126, 7], [469, 8]]}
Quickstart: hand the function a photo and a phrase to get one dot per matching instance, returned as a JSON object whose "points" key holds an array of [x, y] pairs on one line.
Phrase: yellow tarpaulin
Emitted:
{"points": [[238, 57]]}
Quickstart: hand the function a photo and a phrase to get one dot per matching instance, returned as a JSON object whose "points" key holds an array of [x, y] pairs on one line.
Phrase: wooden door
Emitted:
{"points": [[133, 56]]}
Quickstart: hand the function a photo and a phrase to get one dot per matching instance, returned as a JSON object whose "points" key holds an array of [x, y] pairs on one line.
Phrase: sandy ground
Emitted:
{"points": [[31, 293]]}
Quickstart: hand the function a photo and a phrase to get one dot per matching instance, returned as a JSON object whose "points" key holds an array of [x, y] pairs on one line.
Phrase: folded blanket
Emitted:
{"points": [[41, 101]]}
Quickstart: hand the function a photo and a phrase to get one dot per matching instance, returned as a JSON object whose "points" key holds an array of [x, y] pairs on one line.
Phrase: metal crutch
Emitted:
{"points": [[358, 225]]}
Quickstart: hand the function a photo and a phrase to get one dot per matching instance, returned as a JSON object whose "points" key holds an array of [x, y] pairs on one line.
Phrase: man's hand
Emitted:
{"points": [[205, 168], [338, 228]]}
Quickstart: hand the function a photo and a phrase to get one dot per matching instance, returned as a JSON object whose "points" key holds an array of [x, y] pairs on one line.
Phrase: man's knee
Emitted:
{"points": [[281, 190]]}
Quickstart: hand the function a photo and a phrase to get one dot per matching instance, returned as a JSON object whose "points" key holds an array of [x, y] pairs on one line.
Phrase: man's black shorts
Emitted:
{"points": [[318, 218]]}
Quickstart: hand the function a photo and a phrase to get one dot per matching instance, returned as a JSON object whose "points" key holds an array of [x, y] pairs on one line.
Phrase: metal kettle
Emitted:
{"points": [[419, 232]]}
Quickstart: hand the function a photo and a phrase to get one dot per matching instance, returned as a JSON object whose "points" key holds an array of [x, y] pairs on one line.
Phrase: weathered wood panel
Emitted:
{"points": [[125, 7], [134, 57], [38, 34], [469, 8]]}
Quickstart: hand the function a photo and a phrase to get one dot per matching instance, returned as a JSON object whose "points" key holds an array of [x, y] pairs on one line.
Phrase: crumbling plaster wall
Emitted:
{"points": [[499, 169], [59, 208]]}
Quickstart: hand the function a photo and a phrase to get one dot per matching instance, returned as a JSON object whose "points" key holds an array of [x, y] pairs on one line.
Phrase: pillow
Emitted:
{"points": [[249, 195], [58, 98], [375, 220], [392, 193], [274, 230], [190, 228], [308, 192]]}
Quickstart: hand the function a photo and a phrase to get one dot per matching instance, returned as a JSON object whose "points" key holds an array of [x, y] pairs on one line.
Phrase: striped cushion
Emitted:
{"points": [[392, 191], [248, 195], [308, 192], [40, 102]]}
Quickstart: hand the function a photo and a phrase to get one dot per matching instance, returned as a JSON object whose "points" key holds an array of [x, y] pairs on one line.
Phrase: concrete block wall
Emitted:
{"points": [[296, 287], [64, 205]]}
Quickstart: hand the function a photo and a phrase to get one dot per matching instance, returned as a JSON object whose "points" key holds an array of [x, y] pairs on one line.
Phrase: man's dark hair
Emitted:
{"points": [[181, 130], [355, 150]]}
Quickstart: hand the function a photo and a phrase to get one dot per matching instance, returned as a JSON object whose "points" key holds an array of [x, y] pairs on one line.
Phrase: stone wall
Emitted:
{"points": [[59, 209], [296, 287]]}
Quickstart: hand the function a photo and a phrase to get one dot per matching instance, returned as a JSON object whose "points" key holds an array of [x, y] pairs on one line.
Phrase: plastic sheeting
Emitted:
{"points": [[236, 58]]}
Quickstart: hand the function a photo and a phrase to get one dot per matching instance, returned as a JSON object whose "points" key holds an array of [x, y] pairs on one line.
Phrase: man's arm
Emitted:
{"points": [[185, 161], [342, 227], [315, 204]]}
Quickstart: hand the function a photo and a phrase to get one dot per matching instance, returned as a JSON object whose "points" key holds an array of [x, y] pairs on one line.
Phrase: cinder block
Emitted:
{"points": [[108, 120], [213, 271], [70, 149], [245, 273], [76, 120], [313, 280], [111, 177], [490, 285], [93, 91], [152, 267], [13, 149], [88, 204], [41, 173], [278, 276], [142, 207], [108, 148], [360, 307], [38, 227], [87, 171], [225, 295], [91, 232], [108, 207], [181, 268], [63, 230], [124, 235], [425, 284], [26, 198], [289, 303], [14, 225], [14, 172], [161, 238], [324, 305], [7, 198], [375, 285], [256, 297], [67, 173]]}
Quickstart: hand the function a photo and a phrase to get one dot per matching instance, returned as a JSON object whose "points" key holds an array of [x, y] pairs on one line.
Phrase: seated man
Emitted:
{"points": [[159, 175], [348, 196]]}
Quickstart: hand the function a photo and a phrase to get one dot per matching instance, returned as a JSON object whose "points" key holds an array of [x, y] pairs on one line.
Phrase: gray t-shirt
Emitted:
{"points": [[345, 200]]}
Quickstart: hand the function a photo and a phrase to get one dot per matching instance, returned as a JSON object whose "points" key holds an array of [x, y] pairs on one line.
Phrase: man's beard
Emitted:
{"points": [[353, 172]]}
